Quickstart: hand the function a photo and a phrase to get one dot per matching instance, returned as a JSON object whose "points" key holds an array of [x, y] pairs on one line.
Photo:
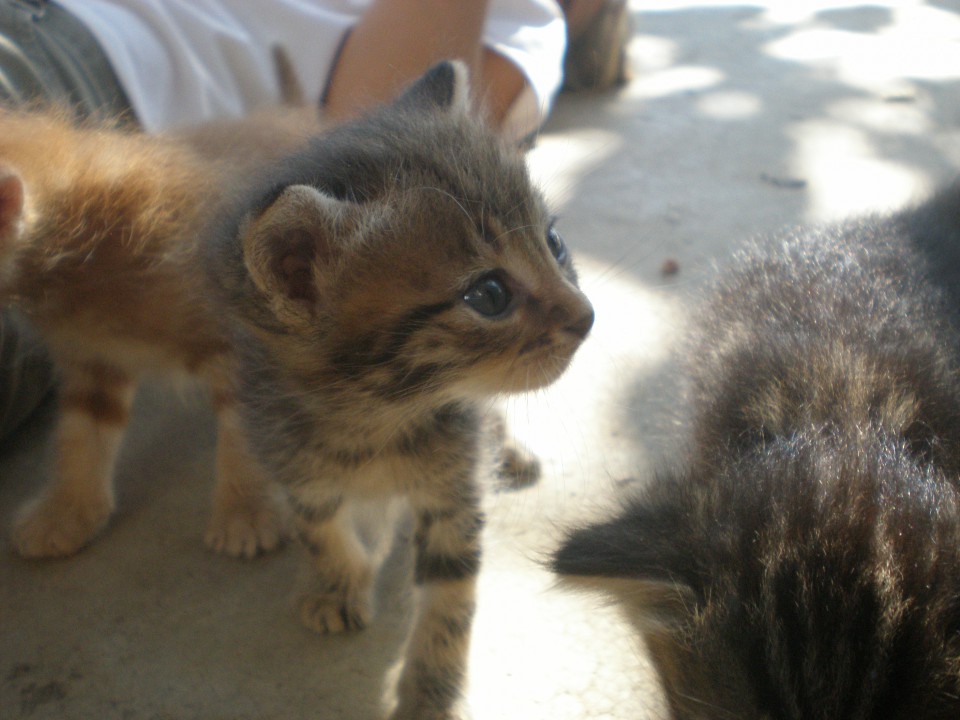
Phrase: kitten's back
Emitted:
{"points": [[835, 328], [106, 257]]}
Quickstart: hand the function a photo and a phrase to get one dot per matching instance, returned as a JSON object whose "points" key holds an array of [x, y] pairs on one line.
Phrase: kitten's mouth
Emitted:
{"points": [[536, 344], [536, 366], [545, 361], [559, 343]]}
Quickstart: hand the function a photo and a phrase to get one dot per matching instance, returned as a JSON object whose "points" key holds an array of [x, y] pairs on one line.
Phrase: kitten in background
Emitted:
{"points": [[388, 283], [99, 226], [100, 229], [805, 562]]}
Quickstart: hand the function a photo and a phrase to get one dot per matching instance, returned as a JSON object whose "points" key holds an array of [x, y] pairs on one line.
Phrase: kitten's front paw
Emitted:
{"points": [[328, 614], [53, 527], [247, 529]]}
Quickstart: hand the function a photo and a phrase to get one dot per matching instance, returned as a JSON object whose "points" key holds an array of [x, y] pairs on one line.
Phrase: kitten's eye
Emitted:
{"points": [[556, 245], [488, 296]]}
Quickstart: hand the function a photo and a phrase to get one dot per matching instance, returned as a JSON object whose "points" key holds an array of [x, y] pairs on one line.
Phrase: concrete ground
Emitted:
{"points": [[740, 118]]}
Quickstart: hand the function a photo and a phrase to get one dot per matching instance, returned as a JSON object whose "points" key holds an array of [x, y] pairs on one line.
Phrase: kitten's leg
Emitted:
{"points": [[340, 576], [249, 515], [448, 559], [94, 407]]}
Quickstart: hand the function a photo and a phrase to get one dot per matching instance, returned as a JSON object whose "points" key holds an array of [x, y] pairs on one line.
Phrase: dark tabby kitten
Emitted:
{"points": [[388, 283], [806, 562]]}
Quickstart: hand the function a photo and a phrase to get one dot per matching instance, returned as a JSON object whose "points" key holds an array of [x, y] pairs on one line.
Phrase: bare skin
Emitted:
{"points": [[396, 40]]}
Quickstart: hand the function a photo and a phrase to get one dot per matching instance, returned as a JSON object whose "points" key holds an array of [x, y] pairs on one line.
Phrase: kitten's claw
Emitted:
{"points": [[328, 615], [50, 527]]}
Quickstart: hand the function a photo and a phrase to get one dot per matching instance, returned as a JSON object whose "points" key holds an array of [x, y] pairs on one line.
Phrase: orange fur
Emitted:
{"points": [[104, 264]]}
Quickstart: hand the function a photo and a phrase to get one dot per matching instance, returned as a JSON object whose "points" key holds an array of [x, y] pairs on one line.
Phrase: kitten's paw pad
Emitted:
{"points": [[247, 531], [327, 615], [47, 528]]}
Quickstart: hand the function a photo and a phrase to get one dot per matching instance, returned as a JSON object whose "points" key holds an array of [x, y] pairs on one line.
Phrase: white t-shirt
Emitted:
{"points": [[185, 61]]}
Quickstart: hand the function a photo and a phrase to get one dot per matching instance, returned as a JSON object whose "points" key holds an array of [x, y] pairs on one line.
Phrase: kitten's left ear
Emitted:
{"points": [[290, 248], [445, 86]]}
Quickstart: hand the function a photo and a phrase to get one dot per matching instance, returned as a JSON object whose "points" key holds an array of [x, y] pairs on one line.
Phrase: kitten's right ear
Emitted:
{"points": [[290, 247], [445, 86]]}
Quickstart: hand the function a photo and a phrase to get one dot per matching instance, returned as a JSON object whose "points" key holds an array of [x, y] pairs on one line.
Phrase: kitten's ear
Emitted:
{"points": [[445, 86], [289, 249]]}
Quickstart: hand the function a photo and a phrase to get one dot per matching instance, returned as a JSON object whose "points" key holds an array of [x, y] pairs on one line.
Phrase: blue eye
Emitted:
{"points": [[488, 296], [557, 248]]}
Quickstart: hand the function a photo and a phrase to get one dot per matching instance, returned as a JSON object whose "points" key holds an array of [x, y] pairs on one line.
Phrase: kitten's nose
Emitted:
{"points": [[575, 318], [581, 327]]}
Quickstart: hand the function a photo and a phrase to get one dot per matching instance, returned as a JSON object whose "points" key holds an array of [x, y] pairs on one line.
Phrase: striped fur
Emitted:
{"points": [[363, 367], [805, 564]]}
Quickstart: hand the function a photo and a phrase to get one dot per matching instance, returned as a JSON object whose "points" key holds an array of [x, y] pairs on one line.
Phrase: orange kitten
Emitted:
{"points": [[99, 234]]}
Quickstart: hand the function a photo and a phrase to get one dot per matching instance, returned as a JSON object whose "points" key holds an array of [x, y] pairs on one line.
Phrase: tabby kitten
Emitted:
{"points": [[388, 283], [806, 561]]}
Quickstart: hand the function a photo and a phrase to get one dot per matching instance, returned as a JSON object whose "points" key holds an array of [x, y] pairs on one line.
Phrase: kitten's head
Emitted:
{"points": [[410, 249], [817, 580]]}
